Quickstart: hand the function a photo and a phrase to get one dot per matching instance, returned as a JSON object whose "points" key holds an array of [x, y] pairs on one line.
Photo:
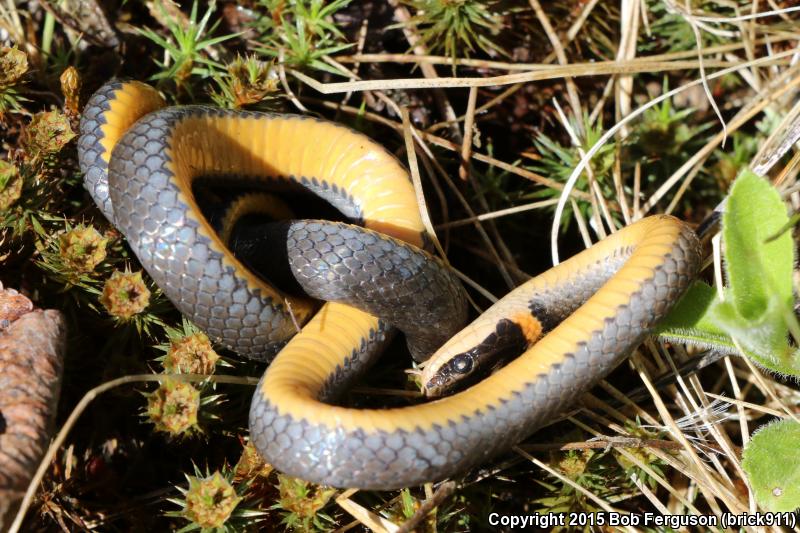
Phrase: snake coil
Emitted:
{"points": [[574, 323]]}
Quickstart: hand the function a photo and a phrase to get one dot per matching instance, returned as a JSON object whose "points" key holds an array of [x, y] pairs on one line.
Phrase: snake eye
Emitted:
{"points": [[462, 364]]}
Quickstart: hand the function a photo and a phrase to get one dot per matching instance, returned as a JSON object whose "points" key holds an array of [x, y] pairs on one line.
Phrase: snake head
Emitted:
{"points": [[451, 375], [482, 350]]}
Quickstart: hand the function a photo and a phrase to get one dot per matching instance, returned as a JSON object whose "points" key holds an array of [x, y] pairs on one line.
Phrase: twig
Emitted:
{"points": [[443, 491], [602, 443], [502, 65], [466, 144], [483, 107], [575, 70], [499, 213]]}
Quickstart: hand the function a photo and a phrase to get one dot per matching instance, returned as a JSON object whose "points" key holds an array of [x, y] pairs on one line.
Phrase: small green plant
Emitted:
{"points": [[192, 354], [32, 185], [13, 66], [46, 135], [216, 503], [404, 508], [632, 470], [754, 314], [593, 470], [495, 183], [300, 33], [173, 408], [301, 504], [729, 164], [662, 141], [670, 32], [60, 56], [77, 256], [82, 248], [251, 466], [10, 185], [246, 82], [456, 26], [186, 48], [449, 515], [134, 303], [557, 161], [189, 351], [772, 462], [665, 131], [125, 294]]}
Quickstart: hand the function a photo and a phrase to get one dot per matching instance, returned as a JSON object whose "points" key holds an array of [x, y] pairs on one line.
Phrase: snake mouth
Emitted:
{"points": [[507, 342]]}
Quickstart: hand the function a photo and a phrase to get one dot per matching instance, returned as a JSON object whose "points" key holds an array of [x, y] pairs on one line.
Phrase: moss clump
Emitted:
{"points": [[456, 26], [82, 248], [125, 294], [173, 407], [210, 501], [13, 65], [302, 503], [10, 185], [46, 135], [247, 81], [251, 465], [573, 465], [192, 354]]}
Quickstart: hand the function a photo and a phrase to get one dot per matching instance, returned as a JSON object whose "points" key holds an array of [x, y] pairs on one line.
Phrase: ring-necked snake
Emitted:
{"points": [[572, 324]]}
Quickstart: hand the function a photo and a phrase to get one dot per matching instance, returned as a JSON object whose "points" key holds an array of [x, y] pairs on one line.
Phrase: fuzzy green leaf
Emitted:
{"points": [[758, 265], [700, 319], [763, 340], [759, 255], [755, 316], [691, 310], [772, 463], [689, 323]]}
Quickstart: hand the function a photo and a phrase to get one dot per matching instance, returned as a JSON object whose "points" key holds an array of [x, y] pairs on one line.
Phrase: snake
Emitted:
{"points": [[560, 332]]}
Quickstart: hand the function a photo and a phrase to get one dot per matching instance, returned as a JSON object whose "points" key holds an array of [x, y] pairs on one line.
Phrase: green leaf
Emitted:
{"points": [[758, 266], [756, 311], [37, 227], [763, 340], [691, 311], [759, 254], [772, 462], [695, 321]]}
